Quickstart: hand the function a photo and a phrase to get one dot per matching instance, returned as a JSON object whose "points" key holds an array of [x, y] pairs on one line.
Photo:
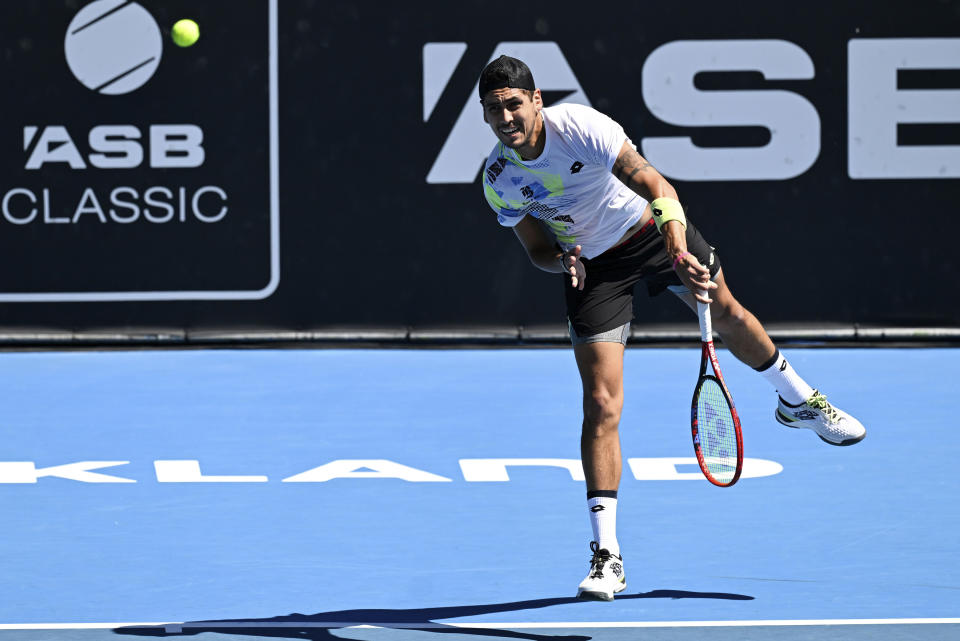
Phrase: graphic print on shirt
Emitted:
{"points": [[569, 186], [535, 192]]}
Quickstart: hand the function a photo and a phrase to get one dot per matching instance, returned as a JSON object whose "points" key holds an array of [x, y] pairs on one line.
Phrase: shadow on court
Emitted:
{"points": [[318, 626]]}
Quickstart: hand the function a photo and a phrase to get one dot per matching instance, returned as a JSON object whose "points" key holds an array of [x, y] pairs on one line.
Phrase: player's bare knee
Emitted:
{"points": [[601, 411]]}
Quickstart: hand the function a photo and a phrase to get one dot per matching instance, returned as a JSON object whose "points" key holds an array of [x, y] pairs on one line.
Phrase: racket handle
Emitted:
{"points": [[706, 328]]}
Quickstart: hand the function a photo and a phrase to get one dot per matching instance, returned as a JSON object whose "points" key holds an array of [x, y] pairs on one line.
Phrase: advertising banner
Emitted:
{"points": [[142, 183], [133, 169]]}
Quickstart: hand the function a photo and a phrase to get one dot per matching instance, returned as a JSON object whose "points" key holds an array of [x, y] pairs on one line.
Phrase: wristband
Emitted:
{"points": [[667, 209], [676, 261]]}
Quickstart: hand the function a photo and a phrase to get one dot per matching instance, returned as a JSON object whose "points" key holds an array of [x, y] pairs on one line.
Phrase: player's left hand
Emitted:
{"points": [[695, 277], [575, 267]]}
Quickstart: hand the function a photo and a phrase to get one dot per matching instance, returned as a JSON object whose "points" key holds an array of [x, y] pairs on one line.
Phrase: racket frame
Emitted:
{"points": [[709, 352]]}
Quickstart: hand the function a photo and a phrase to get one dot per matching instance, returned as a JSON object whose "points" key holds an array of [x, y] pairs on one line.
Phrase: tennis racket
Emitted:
{"points": [[717, 440]]}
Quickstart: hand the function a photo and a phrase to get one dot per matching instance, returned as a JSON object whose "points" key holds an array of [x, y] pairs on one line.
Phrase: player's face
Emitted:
{"points": [[514, 116]]}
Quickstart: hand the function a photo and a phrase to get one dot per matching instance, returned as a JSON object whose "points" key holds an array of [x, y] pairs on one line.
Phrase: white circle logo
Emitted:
{"points": [[113, 46]]}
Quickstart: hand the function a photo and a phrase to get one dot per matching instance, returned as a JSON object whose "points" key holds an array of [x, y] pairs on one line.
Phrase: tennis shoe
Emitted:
{"points": [[605, 578], [832, 425]]}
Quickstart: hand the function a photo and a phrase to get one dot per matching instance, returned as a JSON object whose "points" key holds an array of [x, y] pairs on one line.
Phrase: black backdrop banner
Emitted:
{"points": [[317, 164]]}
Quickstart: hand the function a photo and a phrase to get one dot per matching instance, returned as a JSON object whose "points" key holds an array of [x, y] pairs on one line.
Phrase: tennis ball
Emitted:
{"points": [[185, 32]]}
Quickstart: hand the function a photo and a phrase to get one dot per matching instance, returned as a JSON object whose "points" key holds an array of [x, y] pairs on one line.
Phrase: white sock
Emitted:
{"points": [[778, 372], [603, 520]]}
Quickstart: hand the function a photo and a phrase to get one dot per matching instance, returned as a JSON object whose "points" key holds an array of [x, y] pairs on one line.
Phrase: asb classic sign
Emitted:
{"points": [[129, 168]]}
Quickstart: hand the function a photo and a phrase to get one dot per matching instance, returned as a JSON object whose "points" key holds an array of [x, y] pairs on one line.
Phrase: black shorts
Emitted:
{"points": [[606, 301]]}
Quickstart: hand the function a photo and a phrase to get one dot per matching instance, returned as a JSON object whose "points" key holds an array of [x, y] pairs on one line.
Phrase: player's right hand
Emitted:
{"points": [[695, 277], [575, 267]]}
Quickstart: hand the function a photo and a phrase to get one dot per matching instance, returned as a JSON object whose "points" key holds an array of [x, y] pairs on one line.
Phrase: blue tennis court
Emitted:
{"points": [[395, 494]]}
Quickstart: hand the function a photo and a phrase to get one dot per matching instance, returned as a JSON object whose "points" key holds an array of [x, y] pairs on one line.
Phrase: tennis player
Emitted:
{"points": [[584, 203]]}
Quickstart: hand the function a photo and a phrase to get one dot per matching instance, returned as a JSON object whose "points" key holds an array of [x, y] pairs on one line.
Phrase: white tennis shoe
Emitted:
{"points": [[605, 578], [832, 425]]}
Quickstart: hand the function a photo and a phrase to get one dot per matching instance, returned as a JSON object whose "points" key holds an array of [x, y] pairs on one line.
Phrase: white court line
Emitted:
{"points": [[178, 626]]}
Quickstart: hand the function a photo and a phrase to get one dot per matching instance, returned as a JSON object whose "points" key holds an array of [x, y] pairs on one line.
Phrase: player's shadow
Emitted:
{"points": [[318, 626]]}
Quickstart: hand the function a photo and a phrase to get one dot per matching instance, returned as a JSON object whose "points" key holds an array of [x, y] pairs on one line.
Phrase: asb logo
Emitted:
{"points": [[877, 107], [113, 46]]}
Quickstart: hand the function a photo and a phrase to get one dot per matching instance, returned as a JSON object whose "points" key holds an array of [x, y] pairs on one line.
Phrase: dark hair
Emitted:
{"points": [[506, 72]]}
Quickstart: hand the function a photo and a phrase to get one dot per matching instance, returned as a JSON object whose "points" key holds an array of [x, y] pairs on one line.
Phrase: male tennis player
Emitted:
{"points": [[584, 203]]}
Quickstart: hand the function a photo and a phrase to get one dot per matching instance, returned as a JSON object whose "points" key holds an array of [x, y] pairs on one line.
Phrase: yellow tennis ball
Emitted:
{"points": [[185, 32]]}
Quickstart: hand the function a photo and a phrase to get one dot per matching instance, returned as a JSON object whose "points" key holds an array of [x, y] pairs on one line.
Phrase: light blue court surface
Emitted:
{"points": [[298, 493]]}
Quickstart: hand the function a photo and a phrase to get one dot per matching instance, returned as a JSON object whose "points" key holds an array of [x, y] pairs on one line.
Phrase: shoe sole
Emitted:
{"points": [[849, 441], [594, 595]]}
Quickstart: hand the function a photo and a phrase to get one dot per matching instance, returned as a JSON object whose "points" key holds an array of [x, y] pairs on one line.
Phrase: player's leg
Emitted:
{"points": [[601, 372], [799, 405], [600, 361], [599, 322]]}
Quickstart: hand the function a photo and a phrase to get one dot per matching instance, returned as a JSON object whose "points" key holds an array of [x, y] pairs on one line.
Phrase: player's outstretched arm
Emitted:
{"points": [[640, 176], [543, 252], [636, 173]]}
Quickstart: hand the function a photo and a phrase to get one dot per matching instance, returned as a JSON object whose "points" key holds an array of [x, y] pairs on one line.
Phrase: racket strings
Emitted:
{"points": [[717, 432]]}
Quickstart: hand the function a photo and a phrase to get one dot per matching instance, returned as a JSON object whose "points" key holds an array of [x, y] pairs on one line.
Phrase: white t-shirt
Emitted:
{"points": [[569, 186]]}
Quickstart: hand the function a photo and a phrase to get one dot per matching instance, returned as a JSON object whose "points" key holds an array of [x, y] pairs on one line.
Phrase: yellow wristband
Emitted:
{"points": [[667, 209]]}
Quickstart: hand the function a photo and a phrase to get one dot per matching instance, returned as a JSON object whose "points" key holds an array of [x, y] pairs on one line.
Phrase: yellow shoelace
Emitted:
{"points": [[819, 401]]}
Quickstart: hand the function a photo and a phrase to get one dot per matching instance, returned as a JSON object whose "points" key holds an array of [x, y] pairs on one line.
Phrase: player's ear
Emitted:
{"points": [[537, 99]]}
